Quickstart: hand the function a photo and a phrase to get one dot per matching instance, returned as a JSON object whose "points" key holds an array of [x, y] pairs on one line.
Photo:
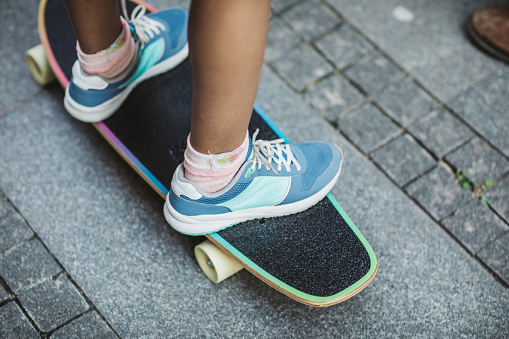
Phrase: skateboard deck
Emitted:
{"points": [[317, 257]]}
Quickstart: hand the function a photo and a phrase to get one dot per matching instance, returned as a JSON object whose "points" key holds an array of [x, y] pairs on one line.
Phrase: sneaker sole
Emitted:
{"points": [[205, 224], [106, 109]]}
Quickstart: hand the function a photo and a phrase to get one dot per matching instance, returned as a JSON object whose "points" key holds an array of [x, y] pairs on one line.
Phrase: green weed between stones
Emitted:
{"points": [[462, 179], [488, 183], [485, 185]]}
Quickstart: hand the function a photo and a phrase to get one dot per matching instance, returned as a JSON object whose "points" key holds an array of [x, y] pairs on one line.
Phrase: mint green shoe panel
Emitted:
{"points": [[151, 55], [263, 191]]}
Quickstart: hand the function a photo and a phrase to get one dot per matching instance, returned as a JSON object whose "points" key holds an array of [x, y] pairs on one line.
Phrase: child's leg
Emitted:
{"points": [[227, 42], [96, 23]]}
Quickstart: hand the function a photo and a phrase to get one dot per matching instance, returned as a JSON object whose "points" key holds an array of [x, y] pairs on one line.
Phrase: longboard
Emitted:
{"points": [[317, 257]]}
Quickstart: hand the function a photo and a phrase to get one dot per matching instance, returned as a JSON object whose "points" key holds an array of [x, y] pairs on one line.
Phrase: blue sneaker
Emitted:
{"points": [[277, 179], [161, 41]]}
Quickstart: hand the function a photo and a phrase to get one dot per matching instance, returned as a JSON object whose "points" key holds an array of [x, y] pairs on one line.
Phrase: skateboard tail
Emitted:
{"points": [[302, 297]]}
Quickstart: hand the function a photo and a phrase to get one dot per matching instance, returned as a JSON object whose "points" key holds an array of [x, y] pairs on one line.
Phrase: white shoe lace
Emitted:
{"points": [[145, 27], [266, 151]]}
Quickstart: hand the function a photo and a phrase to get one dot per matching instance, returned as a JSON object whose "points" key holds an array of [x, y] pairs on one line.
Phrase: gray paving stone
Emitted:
{"points": [[333, 96], [496, 256], [397, 95], [485, 109], [13, 229], [88, 326], [403, 159], [475, 225], [479, 161], [53, 303], [280, 5], [368, 128], [26, 265], [455, 73], [302, 66], [19, 27], [374, 74], [14, 324], [498, 197], [343, 46], [368, 15], [438, 192], [441, 132], [3, 294], [280, 41], [404, 101], [311, 18], [432, 46]]}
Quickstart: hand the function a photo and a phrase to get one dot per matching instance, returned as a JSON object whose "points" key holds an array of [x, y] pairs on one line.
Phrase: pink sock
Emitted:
{"points": [[213, 172], [112, 61]]}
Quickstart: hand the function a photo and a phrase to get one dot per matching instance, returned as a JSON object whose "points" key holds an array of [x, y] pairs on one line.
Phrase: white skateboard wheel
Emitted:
{"points": [[39, 66], [216, 264]]}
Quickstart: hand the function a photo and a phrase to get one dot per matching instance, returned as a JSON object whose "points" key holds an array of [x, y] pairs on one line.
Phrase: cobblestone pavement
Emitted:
{"points": [[420, 114]]}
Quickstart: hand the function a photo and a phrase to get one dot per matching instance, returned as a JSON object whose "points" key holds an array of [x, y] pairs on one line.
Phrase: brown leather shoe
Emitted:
{"points": [[489, 28]]}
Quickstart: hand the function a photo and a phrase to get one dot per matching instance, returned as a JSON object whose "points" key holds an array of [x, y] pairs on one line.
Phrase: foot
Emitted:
{"points": [[489, 28], [277, 179], [161, 41]]}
